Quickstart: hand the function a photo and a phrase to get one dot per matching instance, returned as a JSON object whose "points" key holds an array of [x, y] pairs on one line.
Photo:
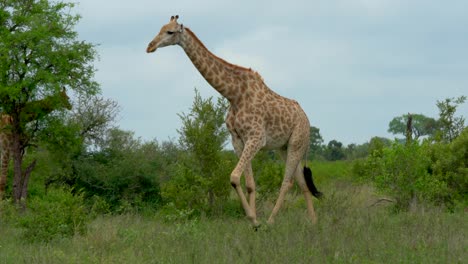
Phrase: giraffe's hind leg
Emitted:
{"points": [[295, 151], [293, 159], [299, 175]]}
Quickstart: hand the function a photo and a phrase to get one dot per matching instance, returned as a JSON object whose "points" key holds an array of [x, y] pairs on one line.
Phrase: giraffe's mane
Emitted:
{"points": [[237, 67]]}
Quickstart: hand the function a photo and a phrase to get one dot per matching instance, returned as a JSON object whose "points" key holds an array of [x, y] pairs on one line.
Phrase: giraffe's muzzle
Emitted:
{"points": [[151, 47]]}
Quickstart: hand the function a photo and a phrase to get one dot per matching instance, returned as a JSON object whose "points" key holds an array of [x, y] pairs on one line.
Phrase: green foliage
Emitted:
{"points": [[124, 172], [68, 138], [40, 56], [425, 235], [40, 51], [406, 175], [315, 143], [334, 151], [449, 125], [201, 179], [450, 163], [377, 145], [421, 125], [57, 214], [434, 173], [268, 173]]}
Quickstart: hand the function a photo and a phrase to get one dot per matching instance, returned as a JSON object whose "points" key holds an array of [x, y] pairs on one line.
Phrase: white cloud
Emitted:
{"points": [[353, 65]]}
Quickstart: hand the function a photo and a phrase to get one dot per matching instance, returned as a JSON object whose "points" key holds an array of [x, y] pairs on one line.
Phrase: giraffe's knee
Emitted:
{"points": [[250, 184], [235, 180]]}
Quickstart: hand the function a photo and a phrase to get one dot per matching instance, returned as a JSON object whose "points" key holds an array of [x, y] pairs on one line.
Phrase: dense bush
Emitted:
{"points": [[57, 214], [123, 172], [201, 179], [450, 163], [189, 189], [429, 172], [268, 173]]}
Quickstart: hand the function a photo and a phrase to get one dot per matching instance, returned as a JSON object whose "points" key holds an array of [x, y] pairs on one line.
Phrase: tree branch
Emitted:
{"points": [[382, 200], [26, 175], [13, 28]]}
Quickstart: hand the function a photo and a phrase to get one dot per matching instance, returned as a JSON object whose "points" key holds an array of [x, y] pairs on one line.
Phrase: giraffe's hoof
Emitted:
{"points": [[270, 221], [257, 227], [314, 220], [261, 228]]}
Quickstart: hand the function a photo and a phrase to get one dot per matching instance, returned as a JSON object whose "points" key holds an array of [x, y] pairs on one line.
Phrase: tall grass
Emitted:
{"points": [[351, 229]]}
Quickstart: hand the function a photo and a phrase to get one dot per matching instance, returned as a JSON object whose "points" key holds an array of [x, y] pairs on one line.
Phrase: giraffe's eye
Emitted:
{"points": [[170, 32]]}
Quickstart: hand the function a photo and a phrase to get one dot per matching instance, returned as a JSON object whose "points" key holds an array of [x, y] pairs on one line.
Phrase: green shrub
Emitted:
{"points": [[190, 189], [201, 179], [8, 212], [404, 171], [124, 172], [57, 214], [268, 173], [450, 163]]}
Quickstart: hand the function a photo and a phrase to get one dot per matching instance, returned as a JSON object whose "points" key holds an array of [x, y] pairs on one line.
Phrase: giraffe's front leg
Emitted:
{"points": [[244, 165]]}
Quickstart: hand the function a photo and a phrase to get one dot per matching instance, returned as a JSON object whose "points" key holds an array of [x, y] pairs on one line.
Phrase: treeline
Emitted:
{"points": [[88, 167], [445, 128], [431, 170]]}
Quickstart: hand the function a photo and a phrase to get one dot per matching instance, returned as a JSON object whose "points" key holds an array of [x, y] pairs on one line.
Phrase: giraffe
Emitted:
{"points": [[258, 118], [32, 111]]}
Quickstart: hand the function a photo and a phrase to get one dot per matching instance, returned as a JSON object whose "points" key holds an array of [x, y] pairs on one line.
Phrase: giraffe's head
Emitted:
{"points": [[170, 34], [64, 99]]}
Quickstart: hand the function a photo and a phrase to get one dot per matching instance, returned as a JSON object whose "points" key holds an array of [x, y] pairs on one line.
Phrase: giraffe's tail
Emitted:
{"points": [[310, 183]]}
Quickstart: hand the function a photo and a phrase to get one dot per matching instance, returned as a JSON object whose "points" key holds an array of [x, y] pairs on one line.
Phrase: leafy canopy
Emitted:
{"points": [[40, 53], [421, 125]]}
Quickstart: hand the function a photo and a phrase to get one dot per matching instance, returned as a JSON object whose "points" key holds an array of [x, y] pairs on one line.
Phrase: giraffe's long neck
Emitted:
{"points": [[225, 77]]}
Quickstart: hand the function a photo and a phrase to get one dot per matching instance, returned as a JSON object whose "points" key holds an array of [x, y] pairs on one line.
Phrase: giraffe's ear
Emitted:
{"points": [[181, 28]]}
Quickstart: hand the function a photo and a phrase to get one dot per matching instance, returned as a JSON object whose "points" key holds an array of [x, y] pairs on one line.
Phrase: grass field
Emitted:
{"points": [[352, 228]]}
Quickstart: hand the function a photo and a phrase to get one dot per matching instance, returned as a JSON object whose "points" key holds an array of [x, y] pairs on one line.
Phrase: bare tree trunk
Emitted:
{"points": [[17, 171], [21, 178], [409, 129], [25, 181]]}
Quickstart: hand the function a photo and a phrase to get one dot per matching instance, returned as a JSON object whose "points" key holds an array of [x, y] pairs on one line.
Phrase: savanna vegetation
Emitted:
{"points": [[91, 192]]}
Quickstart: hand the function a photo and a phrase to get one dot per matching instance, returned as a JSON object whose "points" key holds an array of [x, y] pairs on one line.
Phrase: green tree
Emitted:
{"points": [[377, 145], [315, 142], [122, 171], [421, 125], [39, 56], [334, 151], [202, 176], [69, 136], [450, 126]]}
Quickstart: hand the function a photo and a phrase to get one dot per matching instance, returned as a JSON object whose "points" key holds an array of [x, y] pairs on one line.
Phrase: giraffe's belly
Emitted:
{"points": [[276, 138], [271, 138], [272, 144]]}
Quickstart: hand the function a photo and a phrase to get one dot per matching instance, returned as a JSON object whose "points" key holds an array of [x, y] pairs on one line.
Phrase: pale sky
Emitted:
{"points": [[353, 65]]}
